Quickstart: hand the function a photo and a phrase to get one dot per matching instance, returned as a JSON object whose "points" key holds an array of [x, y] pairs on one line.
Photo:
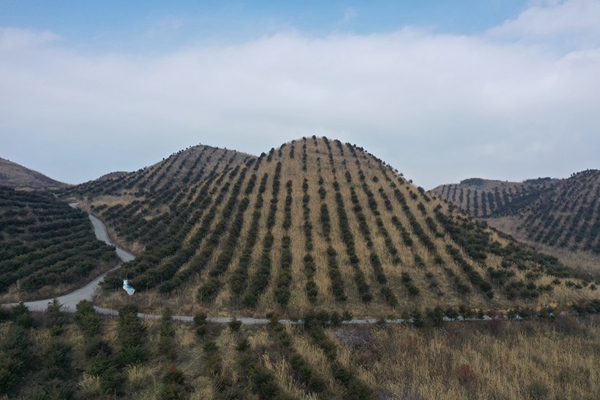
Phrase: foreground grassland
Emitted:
{"points": [[85, 356]]}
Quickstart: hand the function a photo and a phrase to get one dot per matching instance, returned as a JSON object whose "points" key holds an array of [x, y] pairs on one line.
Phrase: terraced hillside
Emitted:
{"points": [[567, 216], [16, 176], [488, 198], [560, 216], [46, 247], [148, 192], [314, 222]]}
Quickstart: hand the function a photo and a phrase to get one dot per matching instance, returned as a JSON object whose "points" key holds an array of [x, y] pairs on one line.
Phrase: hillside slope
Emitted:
{"points": [[16, 176], [568, 216], [315, 222], [183, 168], [46, 247], [560, 216]]}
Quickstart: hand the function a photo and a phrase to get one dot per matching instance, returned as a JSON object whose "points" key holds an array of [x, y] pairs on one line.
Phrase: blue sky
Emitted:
{"points": [[441, 90], [108, 22]]}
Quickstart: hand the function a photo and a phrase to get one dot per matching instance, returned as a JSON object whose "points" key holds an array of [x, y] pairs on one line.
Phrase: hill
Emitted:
{"points": [[558, 216], [181, 169], [16, 176], [314, 222], [484, 198], [567, 216], [311, 226], [46, 247]]}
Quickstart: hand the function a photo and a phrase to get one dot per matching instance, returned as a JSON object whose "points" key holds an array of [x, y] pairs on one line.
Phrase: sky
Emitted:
{"points": [[442, 91]]}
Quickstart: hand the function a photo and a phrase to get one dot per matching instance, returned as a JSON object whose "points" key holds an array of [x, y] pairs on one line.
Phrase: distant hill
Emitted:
{"points": [[16, 176], [184, 168], [566, 216], [560, 216], [313, 222], [113, 175], [487, 198]]}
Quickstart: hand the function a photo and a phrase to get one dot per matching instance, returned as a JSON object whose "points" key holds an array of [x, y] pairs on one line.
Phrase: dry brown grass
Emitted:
{"points": [[314, 357], [524, 360], [470, 360], [89, 385]]}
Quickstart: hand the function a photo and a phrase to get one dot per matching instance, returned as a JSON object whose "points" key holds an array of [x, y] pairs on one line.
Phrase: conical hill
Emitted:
{"points": [[315, 223]]}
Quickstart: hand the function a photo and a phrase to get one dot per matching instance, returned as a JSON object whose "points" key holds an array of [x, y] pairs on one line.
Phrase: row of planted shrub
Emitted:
{"points": [[209, 290], [239, 277], [168, 251], [284, 279], [259, 282], [335, 275]]}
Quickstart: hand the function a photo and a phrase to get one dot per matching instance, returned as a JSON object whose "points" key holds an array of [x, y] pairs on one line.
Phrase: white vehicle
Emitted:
{"points": [[128, 288]]}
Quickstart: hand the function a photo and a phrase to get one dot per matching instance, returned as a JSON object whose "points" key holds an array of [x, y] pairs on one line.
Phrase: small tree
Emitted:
{"points": [[87, 319], [166, 343], [132, 335], [21, 316], [235, 324], [54, 318], [14, 357], [173, 385], [200, 323]]}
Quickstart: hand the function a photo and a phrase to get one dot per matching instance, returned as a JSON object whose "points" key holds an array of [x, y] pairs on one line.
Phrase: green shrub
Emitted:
{"points": [[86, 319]]}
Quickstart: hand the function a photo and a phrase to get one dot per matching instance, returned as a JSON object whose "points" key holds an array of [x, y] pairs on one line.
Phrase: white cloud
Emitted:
{"points": [[575, 21], [350, 15], [438, 107], [16, 39]]}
